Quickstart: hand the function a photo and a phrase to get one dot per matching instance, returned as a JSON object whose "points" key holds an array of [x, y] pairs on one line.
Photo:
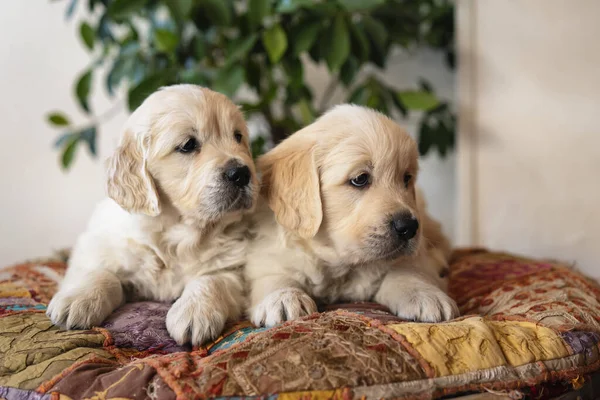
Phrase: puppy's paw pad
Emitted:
{"points": [[283, 305], [191, 321]]}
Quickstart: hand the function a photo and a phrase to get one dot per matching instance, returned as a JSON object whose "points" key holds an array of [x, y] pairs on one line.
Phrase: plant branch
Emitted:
{"points": [[104, 117], [110, 113], [328, 94]]}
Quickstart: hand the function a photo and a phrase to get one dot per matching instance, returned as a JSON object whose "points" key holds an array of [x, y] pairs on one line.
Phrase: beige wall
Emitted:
{"points": [[42, 208], [529, 90]]}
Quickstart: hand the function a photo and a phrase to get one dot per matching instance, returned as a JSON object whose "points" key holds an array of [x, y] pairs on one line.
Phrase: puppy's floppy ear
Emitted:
{"points": [[290, 180], [129, 183]]}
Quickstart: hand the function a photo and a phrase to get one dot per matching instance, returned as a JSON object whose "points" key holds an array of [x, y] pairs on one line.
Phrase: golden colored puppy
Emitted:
{"points": [[179, 185], [346, 223]]}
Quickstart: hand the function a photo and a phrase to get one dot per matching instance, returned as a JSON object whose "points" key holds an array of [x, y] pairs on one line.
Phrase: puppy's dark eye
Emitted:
{"points": [[189, 146], [238, 136], [407, 179], [361, 180]]}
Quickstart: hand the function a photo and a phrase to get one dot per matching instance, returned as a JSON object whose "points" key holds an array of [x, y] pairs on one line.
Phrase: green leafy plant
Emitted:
{"points": [[261, 46]]}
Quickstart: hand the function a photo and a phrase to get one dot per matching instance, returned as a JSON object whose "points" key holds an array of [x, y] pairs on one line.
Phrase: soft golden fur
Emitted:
{"points": [[320, 238], [172, 228]]}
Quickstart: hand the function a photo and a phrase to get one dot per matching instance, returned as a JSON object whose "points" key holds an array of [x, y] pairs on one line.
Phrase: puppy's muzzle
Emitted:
{"points": [[237, 175], [236, 190], [404, 226]]}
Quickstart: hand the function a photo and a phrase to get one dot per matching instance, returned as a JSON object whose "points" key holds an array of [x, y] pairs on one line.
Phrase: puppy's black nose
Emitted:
{"points": [[405, 226], [239, 176]]}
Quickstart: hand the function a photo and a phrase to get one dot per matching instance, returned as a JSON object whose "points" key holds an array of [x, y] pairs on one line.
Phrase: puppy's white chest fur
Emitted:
{"points": [[272, 253], [154, 259], [356, 284]]}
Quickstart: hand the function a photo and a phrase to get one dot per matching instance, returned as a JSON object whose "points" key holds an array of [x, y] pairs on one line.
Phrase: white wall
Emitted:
{"points": [[530, 102], [41, 207]]}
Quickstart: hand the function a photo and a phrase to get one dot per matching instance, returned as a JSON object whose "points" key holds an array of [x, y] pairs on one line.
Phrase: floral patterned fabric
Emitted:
{"points": [[528, 328]]}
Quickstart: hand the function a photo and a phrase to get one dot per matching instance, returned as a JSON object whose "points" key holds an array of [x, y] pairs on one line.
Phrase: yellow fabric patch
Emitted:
{"points": [[474, 343], [10, 290], [454, 347], [32, 350], [526, 342]]}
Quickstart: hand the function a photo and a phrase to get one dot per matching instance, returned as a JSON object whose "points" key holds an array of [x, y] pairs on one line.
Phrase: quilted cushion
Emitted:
{"points": [[529, 327]]}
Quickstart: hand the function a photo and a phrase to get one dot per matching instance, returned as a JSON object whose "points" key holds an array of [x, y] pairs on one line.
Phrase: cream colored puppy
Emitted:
{"points": [[346, 223], [179, 184]]}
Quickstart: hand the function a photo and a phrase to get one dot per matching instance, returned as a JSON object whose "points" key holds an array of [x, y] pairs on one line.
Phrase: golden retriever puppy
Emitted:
{"points": [[346, 223], [179, 184]]}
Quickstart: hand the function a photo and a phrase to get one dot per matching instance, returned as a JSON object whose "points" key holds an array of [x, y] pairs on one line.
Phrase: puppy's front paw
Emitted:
{"points": [[192, 320], [422, 305], [283, 305], [79, 309]]}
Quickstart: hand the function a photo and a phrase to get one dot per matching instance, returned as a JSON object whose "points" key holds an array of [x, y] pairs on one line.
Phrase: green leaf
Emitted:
{"points": [[257, 11], [146, 87], [295, 72], [398, 103], [87, 34], [92, 5], [360, 5], [58, 119], [359, 43], [82, 89], [349, 71], [378, 40], [425, 86], [418, 100], [324, 9], [229, 80], [65, 138], [119, 70], [289, 6], [258, 146], [71, 9], [275, 42], [269, 95], [249, 108], [306, 112], [217, 12], [121, 9], [254, 74], [69, 152], [240, 48], [377, 102], [317, 51], [338, 44], [305, 38], [166, 41], [425, 138], [180, 10], [89, 136], [193, 76], [103, 31], [376, 31], [359, 96]]}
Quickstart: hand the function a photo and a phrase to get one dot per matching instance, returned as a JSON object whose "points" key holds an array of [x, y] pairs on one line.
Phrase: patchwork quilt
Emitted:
{"points": [[530, 328]]}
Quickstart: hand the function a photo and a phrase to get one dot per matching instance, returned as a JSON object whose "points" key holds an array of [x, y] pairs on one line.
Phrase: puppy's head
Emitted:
{"points": [[347, 183], [186, 147]]}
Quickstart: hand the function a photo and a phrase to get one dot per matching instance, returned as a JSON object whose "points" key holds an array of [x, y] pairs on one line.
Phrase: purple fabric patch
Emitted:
{"points": [[141, 326], [581, 342], [9, 393], [17, 301]]}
